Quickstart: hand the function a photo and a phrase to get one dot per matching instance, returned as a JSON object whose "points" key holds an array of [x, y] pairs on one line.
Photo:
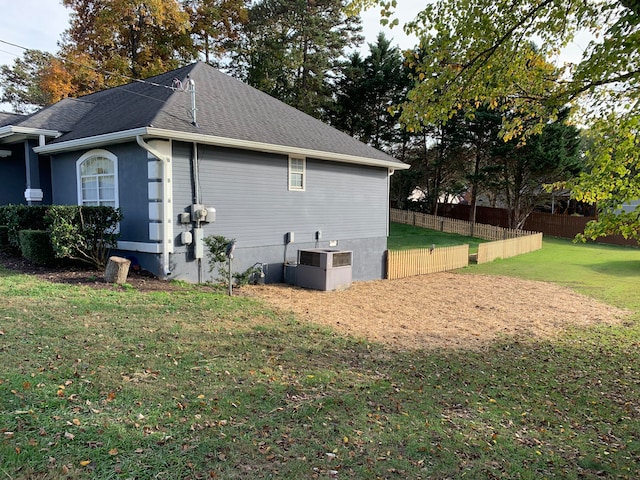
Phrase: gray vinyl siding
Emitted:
{"points": [[253, 203], [346, 203], [132, 187]]}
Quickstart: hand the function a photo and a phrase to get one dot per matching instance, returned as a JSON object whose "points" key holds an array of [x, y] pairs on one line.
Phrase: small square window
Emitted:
{"points": [[297, 173]]}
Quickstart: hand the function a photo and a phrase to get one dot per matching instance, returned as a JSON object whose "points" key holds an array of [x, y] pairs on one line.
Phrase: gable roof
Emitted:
{"points": [[229, 113]]}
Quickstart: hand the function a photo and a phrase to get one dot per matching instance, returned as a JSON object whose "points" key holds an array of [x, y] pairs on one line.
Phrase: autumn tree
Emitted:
{"points": [[289, 48], [129, 38]]}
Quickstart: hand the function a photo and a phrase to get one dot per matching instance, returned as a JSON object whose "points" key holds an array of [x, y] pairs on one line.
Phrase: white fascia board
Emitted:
{"points": [[271, 148], [9, 130], [96, 141], [151, 132]]}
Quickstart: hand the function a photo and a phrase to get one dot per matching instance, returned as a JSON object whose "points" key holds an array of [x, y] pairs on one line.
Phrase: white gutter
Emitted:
{"points": [[95, 141], [9, 130], [130, 135], [167, 224]]}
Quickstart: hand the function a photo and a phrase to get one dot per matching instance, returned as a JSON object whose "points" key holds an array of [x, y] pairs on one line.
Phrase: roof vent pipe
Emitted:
{"points": [[191, 88]]}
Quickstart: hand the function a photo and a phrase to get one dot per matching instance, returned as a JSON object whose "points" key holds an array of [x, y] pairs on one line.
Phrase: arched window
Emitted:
{"points": [[97, 173]]}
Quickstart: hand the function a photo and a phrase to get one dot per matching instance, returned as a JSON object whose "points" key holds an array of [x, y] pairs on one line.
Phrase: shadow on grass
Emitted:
{"points": [[622, 268]]}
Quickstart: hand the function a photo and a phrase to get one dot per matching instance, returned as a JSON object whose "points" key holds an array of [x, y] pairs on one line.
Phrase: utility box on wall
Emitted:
{"points": [[324, 269]]}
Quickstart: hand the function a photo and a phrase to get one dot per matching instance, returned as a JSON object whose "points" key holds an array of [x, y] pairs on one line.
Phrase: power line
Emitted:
{"points": [[98, 70]]}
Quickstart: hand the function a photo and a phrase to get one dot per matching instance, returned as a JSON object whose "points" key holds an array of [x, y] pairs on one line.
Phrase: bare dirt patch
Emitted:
{"points": [[444, 310]]}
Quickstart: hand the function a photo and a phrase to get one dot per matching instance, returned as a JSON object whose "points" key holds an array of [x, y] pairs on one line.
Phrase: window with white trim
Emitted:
{"points": [[297, 173], [97, 173]]}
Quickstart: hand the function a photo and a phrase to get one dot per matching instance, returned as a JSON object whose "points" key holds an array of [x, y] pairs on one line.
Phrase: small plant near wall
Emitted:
{"points": [[250, 275], [217, 247]]}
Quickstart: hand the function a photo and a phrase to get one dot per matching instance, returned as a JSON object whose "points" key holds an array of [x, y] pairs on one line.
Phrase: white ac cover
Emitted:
{"points": [[324, 269]]}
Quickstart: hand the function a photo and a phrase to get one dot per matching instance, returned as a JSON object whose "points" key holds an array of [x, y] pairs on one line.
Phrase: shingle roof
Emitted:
{"points": [[226, 108], [10, 118]]}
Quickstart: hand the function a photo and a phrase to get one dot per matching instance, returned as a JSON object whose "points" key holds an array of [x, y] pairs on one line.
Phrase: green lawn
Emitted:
{"points": [[121, 384], [405, 237], [606, 272]]}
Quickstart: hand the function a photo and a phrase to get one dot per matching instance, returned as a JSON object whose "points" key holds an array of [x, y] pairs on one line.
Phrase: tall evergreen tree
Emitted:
{"points": [[365, 91], [215, 25], [289, 48]]}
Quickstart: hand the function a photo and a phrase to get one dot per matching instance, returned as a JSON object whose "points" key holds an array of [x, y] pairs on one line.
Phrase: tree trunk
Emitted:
{"points": [[117, 270]]}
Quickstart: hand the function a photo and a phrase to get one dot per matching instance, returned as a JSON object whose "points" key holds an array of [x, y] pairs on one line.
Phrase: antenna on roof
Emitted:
{"points": [[191, 88]]}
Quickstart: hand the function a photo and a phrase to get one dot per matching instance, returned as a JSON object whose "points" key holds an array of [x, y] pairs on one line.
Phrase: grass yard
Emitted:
{"points": [[193, 384], [405, 237]]}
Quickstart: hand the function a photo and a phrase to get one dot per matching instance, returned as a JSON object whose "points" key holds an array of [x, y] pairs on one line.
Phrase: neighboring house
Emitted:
{"points": [[278, 179]]}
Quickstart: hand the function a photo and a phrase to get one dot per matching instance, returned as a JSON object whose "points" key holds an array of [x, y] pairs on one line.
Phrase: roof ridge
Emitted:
{"points": [[175, 94]]}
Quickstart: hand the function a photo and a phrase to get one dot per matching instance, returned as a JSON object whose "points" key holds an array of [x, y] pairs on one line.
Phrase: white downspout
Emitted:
{"points": [[167, 224]]}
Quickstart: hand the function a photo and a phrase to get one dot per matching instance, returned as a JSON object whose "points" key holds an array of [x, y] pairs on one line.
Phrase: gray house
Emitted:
{"points": [[194, 152]]}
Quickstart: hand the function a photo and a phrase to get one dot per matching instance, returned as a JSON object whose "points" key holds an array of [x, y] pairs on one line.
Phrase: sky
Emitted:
{"points": [[47, 19], [38, 24]]}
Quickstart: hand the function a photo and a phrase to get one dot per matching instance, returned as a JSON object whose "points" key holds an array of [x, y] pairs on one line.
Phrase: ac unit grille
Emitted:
{"points": [[309, 258], [342, 259], [324, 269]]}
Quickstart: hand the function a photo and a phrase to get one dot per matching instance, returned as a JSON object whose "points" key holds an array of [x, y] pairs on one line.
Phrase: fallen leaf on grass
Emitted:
{"points": [[84, 463], [113, 451]]}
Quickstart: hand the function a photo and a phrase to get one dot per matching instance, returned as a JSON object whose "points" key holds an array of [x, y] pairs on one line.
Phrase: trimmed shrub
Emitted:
{"points": [[35, 246], [23, 217], [83, 233]]}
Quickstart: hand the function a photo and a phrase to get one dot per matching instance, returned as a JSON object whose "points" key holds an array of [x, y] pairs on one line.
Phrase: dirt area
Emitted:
{"points": [[444, 310], [81, 275]]}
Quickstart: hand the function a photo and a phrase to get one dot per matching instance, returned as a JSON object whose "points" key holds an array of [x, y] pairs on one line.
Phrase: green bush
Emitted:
{"points": [[22, 217], [83, 233], [217, 246], [35, 246], [4, 237]]}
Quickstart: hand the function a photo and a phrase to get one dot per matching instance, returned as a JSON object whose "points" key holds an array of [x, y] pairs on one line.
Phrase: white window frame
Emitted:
{"points": [[104, 154], [294, 170]]}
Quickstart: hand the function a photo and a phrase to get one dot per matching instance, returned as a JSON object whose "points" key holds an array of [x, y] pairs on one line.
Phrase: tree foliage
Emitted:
{"points": [[129, 37], [365, 89], [215, 25], [521, 170], [109, 42], [612, 177], [289, 48], [22, 83], [479, 53]]}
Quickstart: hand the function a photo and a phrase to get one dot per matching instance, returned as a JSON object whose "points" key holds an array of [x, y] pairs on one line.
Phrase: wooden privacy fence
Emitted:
{"points": [[488, 252], [420, 261], [452, 225], [505, 243]]}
